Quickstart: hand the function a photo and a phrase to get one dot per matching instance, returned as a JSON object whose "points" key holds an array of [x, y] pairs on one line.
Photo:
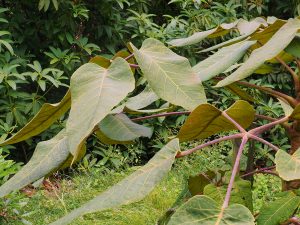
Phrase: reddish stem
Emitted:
{"points": [[160, 115], [263, 117], [190, 151], [234, 171], [266, 169], [263, 128], [263, 141], [134, 66], [237, 125], [129, 57]]}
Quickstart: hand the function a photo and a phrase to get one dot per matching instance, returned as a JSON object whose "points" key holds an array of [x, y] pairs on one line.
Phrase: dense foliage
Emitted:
{"points": [[39, 57]]}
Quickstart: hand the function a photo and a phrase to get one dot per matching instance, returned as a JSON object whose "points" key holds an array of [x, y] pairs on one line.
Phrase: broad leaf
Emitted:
{"points": [[288, 166], [131, 189], [95, 91], [121, 129], [204, 210], [221, 60], [268, 51], [278, 211], [207, 120], [294, 47], [47, 115], [48, 156], [169, 75]]}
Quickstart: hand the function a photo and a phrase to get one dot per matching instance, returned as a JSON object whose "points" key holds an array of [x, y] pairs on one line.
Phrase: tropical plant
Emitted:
{"points": [[225, 196]]}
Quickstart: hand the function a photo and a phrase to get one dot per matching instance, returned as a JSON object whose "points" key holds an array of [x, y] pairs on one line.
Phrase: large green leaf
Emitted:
{"points": [[95, 91], [271, 49], [121, 129], [203, 210], [169, 75], [288, 166], [47, 115], [131, 189], [48, 156], [221, 60], [278, 211], [207, 120]]}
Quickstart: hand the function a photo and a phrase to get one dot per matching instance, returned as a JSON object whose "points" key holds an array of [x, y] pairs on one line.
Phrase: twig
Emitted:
{"points": [[129, 57], [266, 169], [265, 127], [264, 142]]}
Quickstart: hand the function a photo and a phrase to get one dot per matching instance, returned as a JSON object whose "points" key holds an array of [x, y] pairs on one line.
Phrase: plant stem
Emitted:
{"points": [[292, 72], [234, 172], [263, 117], [129, 57], [262, 170], [190, 151], [134, 66], [263, 128], [238, 126], [161, 115], [264, 142]]}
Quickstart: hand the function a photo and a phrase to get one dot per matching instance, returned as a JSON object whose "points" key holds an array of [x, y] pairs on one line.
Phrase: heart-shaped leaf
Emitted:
{"points": [[47, 115], [133, 188], [288, 166], [207, 120], [203, 210], [169, 75], [95, 91]]}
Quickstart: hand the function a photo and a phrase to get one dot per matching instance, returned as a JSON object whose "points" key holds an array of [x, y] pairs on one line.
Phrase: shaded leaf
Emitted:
{"points": [[101, 61], [294, 47], [47, 157], [288, 166], [133, 188], [240, 92], [121, 129], [221, 60], [296, 113], [268, 51], [169, 75], [278, 211], [92, 88], [197, 183], [207, 120], [47, 115], [204, 210]]}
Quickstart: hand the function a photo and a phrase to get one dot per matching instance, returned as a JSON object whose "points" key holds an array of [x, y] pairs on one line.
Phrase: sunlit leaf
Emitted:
{"points": [[133, 188], [288, 166], [169, 75], [203, 210], [47, 115], [92, 88], [48, 156], [268, 51], [207, 120]]}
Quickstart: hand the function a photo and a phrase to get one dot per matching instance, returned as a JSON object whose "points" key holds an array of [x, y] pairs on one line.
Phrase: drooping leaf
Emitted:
{"points": [[121, 129], [278, 211], [133, 188], [287, 108], [48, 156], [203, 210], [207, 120], [240, 92], [221, 60], [47, 115], [92, 88], [140, 101], [288, 166], [294, 47], [268, 51], [169, 75]]}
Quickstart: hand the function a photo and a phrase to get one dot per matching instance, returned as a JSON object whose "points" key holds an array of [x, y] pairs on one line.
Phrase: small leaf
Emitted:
{"points": [[203, 210], [221, 60], [207, 120], [169, 75], [240, 92], [288, 166], [47, 115], [121, 129], [268, 51], [197, 183], [47, 157], [95, 91], [133, 188], [278, 211], [287, 108]]}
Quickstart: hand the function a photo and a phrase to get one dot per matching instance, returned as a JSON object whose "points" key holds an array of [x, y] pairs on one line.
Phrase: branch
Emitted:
{"points": [[292, 72], [265, 127], [190, 151], [234, 172], [263, 117], [262, 170], [237, 125], [160, 115], [264, 142]]}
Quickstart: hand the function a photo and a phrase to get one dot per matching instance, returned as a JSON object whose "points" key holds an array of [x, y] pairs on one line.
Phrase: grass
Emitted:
{"points": [[47, 206]]}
